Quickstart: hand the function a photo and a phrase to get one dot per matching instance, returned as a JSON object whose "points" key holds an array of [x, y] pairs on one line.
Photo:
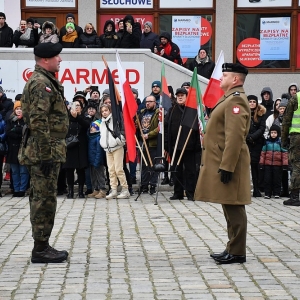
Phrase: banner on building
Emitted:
{"points": [[186, 4], [74, 75], [51, 3], [275, 38], [190, 33], [126, 3], [264, 3]]}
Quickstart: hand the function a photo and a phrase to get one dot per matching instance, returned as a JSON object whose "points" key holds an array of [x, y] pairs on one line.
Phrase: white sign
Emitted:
{"points": [[186, 4], [74, 75], [275, 38], [51, 3], [126, 3], [264, 3]]}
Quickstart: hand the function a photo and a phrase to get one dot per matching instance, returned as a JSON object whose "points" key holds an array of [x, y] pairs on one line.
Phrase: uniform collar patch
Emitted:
{"points": [[236, 110]]}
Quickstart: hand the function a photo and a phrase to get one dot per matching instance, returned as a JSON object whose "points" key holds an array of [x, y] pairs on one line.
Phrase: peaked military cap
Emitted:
{"points": [[47, 50], [236, 68], [181, 91]]}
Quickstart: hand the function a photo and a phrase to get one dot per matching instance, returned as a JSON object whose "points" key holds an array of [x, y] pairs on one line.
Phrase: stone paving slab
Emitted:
{"points": [[126, 249]]}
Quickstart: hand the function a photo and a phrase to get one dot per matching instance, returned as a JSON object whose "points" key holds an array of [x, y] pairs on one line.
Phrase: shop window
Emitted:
{"points": [[190, 33], [263, 40]]}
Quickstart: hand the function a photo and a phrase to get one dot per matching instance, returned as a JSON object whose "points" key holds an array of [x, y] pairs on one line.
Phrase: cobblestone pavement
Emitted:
{"points": [[126, 249]]}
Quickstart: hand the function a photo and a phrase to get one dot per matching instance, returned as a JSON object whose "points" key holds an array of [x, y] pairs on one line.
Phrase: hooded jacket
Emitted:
{"points": [[174, 52], [293, 84], [109, 39], [130, 40], [267, 104], [89, 40], [6, 34], [49, 38]]}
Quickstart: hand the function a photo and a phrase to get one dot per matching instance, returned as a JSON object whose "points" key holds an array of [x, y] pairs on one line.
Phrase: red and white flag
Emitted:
{"points": [[213, 91], [129, 110]]}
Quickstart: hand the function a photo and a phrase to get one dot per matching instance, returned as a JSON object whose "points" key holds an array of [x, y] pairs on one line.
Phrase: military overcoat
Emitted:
{"points": [[225, 148]]}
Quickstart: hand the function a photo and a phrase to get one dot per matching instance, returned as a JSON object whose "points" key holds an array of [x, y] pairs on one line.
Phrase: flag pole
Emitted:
{"points": [[163, 131], [137, 142], [176, 144], [144, 141]]}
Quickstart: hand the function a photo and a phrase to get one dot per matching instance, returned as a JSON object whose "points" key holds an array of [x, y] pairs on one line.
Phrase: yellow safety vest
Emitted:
{"points": [[295, 127]]}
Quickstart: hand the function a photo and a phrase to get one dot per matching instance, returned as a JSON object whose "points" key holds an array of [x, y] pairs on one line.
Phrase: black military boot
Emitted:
{"points": [[44, 253], [294, 199], [70, 194], [80, 191]]}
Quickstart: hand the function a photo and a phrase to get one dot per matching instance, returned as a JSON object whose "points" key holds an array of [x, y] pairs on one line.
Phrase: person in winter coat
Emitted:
{"points": [[168, 49], [77, 156], [2, 140], [273, 160], [96, 161], [132, 34], [271, 118], [120, 28], [109, 38], [155, 91], [20, 173], [70, 39], [70, 18], [89, 38], [149, 38], [6, 104], [35, 27], [293, 89], [203, 63], [255, 139], [267, 100], [113, 144], [6, 32], [23, 37], [48, 33]]}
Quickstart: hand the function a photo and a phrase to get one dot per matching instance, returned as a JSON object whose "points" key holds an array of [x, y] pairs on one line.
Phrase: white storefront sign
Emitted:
{"points": [[74, 75], [186, 4], [51, 3], [264, 3], [126, 3]]}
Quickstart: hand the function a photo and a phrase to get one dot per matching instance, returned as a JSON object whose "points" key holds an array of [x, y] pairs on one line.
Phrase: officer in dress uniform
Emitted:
{"points": [[225, 168], [43, 147]]}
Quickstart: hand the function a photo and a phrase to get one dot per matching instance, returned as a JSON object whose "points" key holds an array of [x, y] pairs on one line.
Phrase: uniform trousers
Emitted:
{"points": [[236, 219], [42, 201]]}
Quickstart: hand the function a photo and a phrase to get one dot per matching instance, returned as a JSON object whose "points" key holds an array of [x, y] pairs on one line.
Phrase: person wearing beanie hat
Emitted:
{"points": [[106, 92], [96, 158], [149, 38], [273, 160], [70, 18], [203, 63], [167, 49], [255, 140], [70, 39], [156, 88], [186, 85], [14, 128], [23, 37], [6, 32], [95, 93]]}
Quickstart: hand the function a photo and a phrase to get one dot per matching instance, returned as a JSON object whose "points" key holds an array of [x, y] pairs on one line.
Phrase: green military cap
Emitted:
{"points": [[236, 68], [47, 50]]}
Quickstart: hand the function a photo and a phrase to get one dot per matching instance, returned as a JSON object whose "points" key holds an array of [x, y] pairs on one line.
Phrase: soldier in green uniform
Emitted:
{"points": [[43, 147], [291, 131], [225, 167]]}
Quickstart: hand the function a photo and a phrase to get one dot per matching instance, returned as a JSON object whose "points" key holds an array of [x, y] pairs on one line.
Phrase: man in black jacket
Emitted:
{"points": [[149, 38], [6, 33], [132, 34], [70, 18], [6, 104]]}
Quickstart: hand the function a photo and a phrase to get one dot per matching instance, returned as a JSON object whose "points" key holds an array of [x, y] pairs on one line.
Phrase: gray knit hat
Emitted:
{"points": [[149, 24]]}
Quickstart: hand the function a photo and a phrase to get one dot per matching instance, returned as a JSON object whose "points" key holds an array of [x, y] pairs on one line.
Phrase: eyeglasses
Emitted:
{"points": [[89, 28]]}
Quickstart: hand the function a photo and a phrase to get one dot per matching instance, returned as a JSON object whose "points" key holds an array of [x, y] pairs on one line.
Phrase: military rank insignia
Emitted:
{"points": [[48, 89], [236, 110]]}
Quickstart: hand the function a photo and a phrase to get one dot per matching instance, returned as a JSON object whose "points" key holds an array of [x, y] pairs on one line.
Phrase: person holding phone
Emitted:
{"points": [[132, 34], [23, 37]]}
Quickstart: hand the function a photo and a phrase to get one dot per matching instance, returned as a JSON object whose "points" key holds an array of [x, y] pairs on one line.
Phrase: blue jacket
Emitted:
{"points": [[2, 129], [95, 151]]}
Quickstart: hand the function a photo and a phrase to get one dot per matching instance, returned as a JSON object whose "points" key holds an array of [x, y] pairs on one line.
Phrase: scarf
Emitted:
{"points": [[202, 60], [70, 37], [26, 35], [167, 48]]}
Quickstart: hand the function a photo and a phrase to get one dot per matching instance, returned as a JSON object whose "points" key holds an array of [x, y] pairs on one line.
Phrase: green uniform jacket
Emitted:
{"points": [[45, 113], [287, 120], [224, 147]]}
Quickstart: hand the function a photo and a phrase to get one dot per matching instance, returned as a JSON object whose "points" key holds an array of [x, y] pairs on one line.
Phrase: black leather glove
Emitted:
{"points": [[46, 166], [225, 176]]}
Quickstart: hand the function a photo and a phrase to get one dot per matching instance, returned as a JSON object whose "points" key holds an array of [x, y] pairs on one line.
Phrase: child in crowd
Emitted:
{"points": [[96, 154], [14, 128], [112, 143], [70, 40], [273, 160]]}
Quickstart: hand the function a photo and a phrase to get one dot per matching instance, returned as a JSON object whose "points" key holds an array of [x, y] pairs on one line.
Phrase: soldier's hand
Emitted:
{"points": [[46, 166], [226, 176]]}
